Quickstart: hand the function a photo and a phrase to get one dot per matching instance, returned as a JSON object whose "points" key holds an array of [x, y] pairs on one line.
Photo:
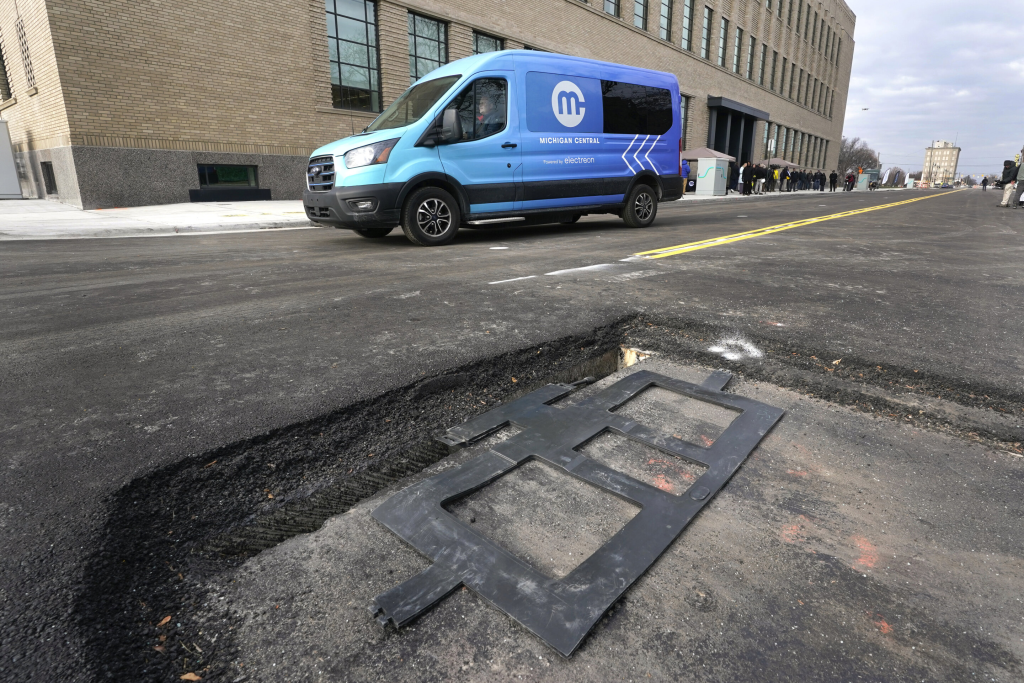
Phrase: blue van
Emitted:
{"points": [[506, 137]]}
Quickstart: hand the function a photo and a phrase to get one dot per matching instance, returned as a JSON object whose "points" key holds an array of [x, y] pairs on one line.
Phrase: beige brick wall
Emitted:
{"points": [[253, 76], [37, 119]]}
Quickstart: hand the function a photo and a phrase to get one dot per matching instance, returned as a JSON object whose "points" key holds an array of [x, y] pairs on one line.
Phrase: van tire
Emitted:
{"points": [[373, 233], [641, 207], [430, 217]]}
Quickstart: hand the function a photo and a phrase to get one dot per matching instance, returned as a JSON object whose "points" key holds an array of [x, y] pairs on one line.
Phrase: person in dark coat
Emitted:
{"points": [[984, 184], [833, 178], [1006, 181]]}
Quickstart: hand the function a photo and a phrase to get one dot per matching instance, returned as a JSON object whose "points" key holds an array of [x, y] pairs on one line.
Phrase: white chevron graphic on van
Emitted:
{"points": [[651, 150], [627, 152], [638, 149]]}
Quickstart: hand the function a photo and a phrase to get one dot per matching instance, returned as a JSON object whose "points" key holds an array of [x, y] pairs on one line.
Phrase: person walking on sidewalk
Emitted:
{"points": [[984, 184], [833, 177], [1006, 181], [684, 171]]}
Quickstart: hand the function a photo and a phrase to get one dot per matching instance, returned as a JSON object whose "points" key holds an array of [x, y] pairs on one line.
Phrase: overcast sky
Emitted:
{"points": [[938, 70]]}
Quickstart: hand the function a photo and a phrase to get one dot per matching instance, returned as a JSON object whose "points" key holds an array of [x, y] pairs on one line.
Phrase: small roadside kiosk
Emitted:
{"points": [[870, 175], [712, 171]]}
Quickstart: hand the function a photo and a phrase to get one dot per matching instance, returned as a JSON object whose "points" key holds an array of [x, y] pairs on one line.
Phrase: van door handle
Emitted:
{"points": [[509, 145]]}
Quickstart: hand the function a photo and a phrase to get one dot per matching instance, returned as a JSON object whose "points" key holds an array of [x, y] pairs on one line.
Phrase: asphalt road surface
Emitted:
{"points": [[124, 360]]}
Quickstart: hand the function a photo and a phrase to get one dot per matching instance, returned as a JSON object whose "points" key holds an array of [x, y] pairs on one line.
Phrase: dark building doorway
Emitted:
{"points": [[731, 127]]}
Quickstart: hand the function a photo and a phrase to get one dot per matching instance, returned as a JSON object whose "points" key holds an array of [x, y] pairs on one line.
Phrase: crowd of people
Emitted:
{"points": [[751, 179]]}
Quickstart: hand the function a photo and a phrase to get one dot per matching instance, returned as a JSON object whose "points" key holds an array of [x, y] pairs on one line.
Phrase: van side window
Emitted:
{"points": [[636, 109], [482, 108]]}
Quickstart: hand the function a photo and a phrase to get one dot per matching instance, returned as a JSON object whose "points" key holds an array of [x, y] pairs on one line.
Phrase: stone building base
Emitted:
{"points": [[108, 177]]}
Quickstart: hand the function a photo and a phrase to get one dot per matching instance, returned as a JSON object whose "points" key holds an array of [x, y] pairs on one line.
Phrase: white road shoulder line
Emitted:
{"points": [[498, 282], [599, 266]]}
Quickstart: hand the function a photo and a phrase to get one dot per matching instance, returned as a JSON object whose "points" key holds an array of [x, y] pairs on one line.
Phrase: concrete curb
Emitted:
{"points": [[158, 230]]}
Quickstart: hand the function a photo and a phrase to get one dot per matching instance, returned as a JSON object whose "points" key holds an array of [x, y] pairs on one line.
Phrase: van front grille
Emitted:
{"points": [[318, 211], [320, 176]]}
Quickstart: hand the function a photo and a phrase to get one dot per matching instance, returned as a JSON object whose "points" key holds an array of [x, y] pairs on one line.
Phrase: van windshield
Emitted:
{"points": [[413, 104]]}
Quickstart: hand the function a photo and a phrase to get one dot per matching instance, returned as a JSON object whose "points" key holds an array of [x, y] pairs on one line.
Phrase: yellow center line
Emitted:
{"points": [[736, 237]]}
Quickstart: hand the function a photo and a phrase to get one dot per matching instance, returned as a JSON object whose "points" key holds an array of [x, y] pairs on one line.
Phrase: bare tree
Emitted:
{"points": [[916, 175], [854, 153]]}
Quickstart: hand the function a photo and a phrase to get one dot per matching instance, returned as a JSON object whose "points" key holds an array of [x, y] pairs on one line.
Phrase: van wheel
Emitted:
{"points": [[641, 207], [374, 233], [572, 219], [430, 217]]}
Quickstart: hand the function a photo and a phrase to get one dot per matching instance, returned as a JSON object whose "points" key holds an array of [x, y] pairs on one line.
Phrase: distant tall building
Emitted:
{"points": [[940, 162]]}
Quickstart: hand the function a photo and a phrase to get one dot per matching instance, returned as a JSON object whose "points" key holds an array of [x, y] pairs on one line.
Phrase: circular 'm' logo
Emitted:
{"points": [[566, 99]]}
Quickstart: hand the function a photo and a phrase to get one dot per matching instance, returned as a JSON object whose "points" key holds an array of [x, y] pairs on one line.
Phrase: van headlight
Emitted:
{"points": [[377, 153]]}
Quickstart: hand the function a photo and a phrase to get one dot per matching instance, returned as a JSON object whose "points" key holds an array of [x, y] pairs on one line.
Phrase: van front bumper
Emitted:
{"points": [[345, 207]]}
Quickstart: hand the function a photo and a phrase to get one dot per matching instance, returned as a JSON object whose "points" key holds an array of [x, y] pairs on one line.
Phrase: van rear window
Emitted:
{"points": [[561, 104], [631, 109]]}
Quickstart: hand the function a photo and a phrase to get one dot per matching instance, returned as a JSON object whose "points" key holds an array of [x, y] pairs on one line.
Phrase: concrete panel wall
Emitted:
{"points": [[111, 176]]}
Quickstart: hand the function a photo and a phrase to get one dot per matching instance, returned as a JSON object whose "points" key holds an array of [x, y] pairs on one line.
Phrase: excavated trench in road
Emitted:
{"points": [[171, 530]]}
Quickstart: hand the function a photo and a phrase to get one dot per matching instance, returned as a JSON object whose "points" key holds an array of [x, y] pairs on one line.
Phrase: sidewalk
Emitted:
{"points": [[41, 219], [33, 219], [691, 197]]}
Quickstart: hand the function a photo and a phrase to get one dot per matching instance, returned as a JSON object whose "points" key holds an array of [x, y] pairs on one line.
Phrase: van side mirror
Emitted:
{"points": [[451, 126]]}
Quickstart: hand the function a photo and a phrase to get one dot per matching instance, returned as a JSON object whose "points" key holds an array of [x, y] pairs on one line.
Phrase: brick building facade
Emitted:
{"points": [[122, 102]]}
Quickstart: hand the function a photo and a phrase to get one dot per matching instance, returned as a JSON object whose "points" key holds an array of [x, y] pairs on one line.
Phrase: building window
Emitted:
{"points": [[839, 49], [352, 43], [221, 175], [799, 15], [640, 14], [737, 50], [705, 34], [611, 7], [5, 79], [484, 43], [800, 85], [428, 45], [761, 68], [49, 180], [780, 8], [750, 58], [828, 40], [824, 104], [684, 107], [824, 154], [807, 22], [792, 77], [723, 44], [768, 6], [782, 78], [831, 104], [688, 25], [782, 133], [26, 58], [665, 26], [789, 15], [775, 63]]}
